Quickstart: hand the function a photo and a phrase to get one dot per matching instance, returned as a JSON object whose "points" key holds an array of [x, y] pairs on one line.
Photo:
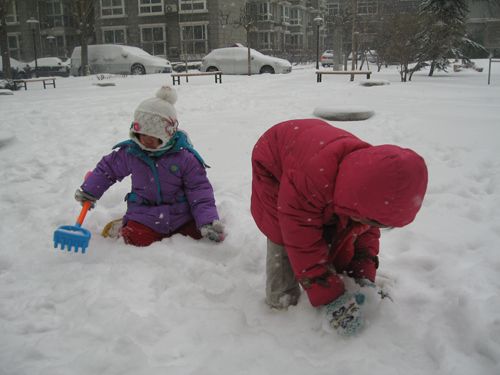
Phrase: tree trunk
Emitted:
{"points": [[249, 60], [4, 41], [85, 52], [431, 71]]}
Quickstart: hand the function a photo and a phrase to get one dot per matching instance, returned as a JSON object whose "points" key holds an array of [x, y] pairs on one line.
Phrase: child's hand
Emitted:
{"points": [[83, 197], [380, 291], [214, 232], [344, 314]]}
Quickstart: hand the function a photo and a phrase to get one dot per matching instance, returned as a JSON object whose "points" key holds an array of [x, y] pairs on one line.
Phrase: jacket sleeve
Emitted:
{"points": [[365, 261], [111, 168], [300, 212], [199, 192]]}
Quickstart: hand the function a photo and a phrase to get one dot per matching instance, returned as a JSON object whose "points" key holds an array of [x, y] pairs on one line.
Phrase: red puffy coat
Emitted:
{"points": [[310, 178]]}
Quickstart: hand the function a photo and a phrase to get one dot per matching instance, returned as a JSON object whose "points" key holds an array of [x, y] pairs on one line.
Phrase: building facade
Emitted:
{"points": [[189, 29]]}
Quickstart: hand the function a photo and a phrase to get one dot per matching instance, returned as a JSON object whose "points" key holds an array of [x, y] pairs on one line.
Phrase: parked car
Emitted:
{"points": [[119, 59], [326, 58], [181, 66], [49, 67], [17, 69], [234, 60]]}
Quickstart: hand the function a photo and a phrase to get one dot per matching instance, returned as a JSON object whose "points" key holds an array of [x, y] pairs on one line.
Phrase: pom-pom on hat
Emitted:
{"points": [[157, 118]]}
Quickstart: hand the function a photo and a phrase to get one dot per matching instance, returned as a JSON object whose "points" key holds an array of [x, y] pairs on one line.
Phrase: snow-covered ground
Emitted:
{"points": [[187, 307]]}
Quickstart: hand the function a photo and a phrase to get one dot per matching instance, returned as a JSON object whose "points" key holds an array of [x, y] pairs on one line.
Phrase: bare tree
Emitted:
{"points": [[248, 20], [83, 13], [4, 42], [397, 38]]}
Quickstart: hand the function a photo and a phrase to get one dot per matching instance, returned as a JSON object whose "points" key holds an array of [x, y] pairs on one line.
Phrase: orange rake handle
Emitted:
{"points": [[86, 207]]}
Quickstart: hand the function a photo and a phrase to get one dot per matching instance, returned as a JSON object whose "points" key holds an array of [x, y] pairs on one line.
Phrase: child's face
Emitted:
{"points": [[148, 141]]}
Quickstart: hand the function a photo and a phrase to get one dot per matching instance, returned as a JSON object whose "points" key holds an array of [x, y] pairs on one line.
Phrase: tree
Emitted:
{"points": [[247, 20], [443, 32], [396, 41], [4, 41], [83, 13]]}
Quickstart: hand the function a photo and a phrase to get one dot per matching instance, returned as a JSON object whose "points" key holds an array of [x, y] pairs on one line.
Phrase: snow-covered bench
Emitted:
{"points": [[352, 73], [176, 77], [46, 81]]}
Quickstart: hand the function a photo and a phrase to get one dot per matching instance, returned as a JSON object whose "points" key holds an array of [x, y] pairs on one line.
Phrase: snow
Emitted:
{"points": [[352, 113], [194, 307]]}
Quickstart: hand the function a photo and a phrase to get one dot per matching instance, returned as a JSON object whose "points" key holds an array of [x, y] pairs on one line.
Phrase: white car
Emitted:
{"points": [[326, 58], [234, 60], [119, 59], [50, 66]]}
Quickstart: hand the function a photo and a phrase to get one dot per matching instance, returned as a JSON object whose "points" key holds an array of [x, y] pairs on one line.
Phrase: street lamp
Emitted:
{"points": [[33, 24], [318, 21]]}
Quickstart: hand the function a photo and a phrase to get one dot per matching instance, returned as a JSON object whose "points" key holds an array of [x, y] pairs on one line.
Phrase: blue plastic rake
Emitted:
{"points": [[74, 237]]}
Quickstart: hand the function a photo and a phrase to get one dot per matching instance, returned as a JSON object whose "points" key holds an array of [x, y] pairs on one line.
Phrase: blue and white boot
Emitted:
{"points": [[344, 314]]}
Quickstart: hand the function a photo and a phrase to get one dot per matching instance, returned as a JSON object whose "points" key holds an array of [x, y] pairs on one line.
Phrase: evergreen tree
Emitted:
{"points": [[443, 33]]}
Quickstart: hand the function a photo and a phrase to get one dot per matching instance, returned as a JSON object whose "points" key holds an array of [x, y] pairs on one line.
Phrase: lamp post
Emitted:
{"points": [[318, 21], [33, 24]]}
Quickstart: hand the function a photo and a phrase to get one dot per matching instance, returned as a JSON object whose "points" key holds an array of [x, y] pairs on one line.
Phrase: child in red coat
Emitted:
{"points": [[320, 195]]}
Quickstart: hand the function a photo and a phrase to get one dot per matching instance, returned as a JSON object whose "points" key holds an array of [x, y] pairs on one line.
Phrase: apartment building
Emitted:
{"points": [[173, 28], [189, 29], [287, 27]]}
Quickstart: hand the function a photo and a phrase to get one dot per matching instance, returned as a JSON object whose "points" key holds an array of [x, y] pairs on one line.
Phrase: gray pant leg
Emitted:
{"points": [[282, 288]]}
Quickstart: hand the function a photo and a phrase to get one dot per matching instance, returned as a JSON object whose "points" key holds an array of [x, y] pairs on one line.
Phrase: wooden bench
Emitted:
{"points": [[176, 77], [352, 73], [46, 82]]}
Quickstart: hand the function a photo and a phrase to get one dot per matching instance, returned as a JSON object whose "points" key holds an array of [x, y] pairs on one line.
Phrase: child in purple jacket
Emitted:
{"points": [[170, 190]]}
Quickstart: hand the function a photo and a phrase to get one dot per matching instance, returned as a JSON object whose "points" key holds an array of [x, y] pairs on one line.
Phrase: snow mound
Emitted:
{"points": [[6, 92], [374, 83], [344, 114]]}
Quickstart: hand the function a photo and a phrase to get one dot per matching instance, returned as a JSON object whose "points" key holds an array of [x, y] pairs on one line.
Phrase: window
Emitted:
{"points": [[367, 7], [153, 39], [194, 38], [192, 6], [150, 7], [112, 8], [284, 13], [114, 35], [265, 12], [296, 16], [14, 46], [11, 15], [54, 13], [265, 40], [296, 41], [333, 8]]}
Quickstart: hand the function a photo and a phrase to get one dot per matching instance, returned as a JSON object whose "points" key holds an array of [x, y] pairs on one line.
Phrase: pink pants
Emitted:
{"points": [[137, 234]]}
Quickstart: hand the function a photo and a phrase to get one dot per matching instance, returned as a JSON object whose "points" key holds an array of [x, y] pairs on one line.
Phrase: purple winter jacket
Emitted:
{"points": [[167, 191]]}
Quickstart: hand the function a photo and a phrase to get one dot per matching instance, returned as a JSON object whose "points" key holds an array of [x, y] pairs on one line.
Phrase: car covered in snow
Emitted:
{"points": [[119, 59], [49, 67], [17, 69], [234, 60], [326, 58]]}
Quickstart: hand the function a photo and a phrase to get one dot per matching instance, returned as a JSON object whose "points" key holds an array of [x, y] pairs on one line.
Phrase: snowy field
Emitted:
{"points": [[187, 307]]}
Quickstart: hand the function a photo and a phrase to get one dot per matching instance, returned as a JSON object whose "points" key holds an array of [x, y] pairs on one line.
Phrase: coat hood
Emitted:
{"points": [[384, 183]]}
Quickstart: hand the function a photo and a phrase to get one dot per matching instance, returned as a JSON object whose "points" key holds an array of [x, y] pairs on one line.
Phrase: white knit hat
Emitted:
{"points": [[156, 117]]}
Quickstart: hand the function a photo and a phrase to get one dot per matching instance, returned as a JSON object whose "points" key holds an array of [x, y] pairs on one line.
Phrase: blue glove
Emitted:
{"points": [[344, 314]]}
